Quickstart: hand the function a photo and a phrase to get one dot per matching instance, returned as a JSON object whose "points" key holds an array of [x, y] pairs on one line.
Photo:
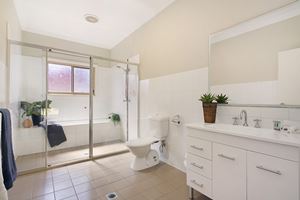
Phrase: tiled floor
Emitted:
{"points": [[33, 161], [92, 180]]}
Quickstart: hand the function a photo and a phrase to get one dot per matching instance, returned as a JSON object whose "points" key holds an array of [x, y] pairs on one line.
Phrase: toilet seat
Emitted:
{"points": [[142, 142]]}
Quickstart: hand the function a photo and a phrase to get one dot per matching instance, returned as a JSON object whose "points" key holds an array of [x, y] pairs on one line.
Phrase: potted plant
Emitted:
{"points": [[27, 111], [209, 107], [39, 107], [115, 118], [222, 99], [34, 110]]}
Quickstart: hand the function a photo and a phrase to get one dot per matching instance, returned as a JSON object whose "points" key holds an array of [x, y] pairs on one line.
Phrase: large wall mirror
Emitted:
{"points": [[258, 61]]}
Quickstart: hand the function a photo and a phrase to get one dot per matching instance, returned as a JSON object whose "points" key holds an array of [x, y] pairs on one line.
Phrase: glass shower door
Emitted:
{"points": [[115, 106], [109, 108], [26, 94], [68, 116]]}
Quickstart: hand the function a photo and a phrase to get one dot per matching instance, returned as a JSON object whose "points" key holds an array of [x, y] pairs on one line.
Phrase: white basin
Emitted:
{"points": [[262, 134], [241, 129]]}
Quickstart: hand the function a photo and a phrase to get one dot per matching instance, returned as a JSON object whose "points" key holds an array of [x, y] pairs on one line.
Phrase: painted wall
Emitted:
{"points": [[177, 39], [64, 44], [7, 15]]}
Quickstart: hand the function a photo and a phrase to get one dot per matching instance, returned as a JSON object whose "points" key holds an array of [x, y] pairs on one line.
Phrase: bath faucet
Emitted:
{"points": [[243, 114]]}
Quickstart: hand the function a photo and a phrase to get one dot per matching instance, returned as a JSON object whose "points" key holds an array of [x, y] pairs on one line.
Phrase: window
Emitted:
{"points": [[81, 80], [66, 79]]}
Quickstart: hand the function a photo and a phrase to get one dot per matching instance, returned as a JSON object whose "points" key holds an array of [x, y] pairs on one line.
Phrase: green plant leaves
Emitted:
{"points": [[207, 98], [34, 108], [210, 98], [115, 118]]}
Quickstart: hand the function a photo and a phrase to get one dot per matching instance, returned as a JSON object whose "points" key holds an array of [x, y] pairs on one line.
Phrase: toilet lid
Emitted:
{"points": [[142, 142]]}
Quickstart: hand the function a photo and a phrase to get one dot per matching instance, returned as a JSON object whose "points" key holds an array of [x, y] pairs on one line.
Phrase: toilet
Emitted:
{"points": [[145, 157]]}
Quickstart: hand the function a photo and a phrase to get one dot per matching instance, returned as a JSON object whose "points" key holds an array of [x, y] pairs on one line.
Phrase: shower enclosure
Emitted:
{"points": [[94, 100]]}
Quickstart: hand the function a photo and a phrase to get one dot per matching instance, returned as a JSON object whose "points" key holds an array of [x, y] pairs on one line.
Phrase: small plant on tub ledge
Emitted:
{"points": [[115, 118], [209, 107]]}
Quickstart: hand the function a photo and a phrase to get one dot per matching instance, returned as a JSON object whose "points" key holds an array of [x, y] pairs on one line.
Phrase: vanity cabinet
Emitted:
{"points": [[228, 167]]}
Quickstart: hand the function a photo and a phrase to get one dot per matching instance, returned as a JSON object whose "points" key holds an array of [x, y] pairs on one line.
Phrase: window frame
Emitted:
{"points": [[73, 66]]}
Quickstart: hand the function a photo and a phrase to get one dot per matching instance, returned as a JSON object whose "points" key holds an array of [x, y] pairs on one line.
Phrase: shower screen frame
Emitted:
{"points": [[91, 58]]}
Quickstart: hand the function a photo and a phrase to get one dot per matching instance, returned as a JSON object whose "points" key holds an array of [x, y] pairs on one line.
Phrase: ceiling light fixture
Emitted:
{"points": [[91, 18]]}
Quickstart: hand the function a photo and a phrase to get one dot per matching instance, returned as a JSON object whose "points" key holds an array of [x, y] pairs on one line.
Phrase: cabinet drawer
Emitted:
{"points": [[199, 183], [199, 147], [271, 178], [199, 165]]}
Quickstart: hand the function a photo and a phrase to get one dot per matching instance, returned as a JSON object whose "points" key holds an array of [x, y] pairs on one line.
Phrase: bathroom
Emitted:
{"points": [[147, 65]]}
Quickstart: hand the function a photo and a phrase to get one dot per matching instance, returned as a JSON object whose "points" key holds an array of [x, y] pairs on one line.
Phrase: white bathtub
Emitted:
{"points": [[32, 140]]}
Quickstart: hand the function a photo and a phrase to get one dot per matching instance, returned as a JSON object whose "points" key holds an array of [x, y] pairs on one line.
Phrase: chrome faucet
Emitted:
{"points": [[243, 114]]}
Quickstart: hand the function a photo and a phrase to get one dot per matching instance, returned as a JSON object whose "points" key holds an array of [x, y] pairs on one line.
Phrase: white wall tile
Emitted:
{"points": [[265, 92], [173, 94], [275, 113], [294, 114]]}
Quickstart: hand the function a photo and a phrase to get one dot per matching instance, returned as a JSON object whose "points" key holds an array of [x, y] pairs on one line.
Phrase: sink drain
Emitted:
{"points": [[111, 196]]}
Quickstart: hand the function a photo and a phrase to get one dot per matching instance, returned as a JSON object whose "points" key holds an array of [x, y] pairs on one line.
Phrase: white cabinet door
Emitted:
{"points": [[271, 178], [229, 173]]}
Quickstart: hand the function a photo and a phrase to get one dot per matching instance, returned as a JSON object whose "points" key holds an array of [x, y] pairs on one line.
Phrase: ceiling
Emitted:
{"points": [[65, 19]]}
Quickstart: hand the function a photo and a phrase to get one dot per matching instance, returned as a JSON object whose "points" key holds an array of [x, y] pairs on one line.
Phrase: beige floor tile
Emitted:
{"points": [[80, 180], [113, 178], [61, 178], [83, 187], [71, 198], [89, 195], [45, 197], [94, 179], [121, 184], [99, 182], [18, 196], [152, 193], [63, 194], [42, 189], [63, 185], [129, 192]]}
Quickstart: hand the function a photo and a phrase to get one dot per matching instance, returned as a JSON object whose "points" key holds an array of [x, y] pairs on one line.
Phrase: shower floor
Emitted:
{"points": [[34, 161]]}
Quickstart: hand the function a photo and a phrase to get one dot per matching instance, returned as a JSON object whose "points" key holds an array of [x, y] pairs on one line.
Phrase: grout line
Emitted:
{"points": [[53, 184], [72, 183]]}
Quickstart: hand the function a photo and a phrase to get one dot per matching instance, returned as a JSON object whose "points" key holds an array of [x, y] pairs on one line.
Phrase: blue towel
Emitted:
{"points": [[9, 169], [55, 134]]}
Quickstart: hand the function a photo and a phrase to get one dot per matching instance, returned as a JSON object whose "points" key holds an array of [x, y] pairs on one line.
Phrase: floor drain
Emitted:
{"points": [[111, 196]]}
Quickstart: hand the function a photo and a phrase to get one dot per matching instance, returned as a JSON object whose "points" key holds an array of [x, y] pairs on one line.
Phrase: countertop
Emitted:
{"points": [[261, 134]]}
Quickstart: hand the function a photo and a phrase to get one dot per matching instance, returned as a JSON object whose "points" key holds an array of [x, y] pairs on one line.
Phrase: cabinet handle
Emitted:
{"points": [[269, 170], [226, 157], [195, 182], [198, 148], [195, 165]]}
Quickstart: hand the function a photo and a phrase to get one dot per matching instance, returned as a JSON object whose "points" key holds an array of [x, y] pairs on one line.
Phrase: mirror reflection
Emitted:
{"points": [[258, 61]]}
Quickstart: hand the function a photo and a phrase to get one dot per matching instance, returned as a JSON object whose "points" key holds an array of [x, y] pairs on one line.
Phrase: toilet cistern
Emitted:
{"points": [[243, 115]]}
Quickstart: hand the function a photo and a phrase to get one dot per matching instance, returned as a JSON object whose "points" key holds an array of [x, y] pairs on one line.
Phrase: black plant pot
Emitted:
{"points": [[37, 119]]}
